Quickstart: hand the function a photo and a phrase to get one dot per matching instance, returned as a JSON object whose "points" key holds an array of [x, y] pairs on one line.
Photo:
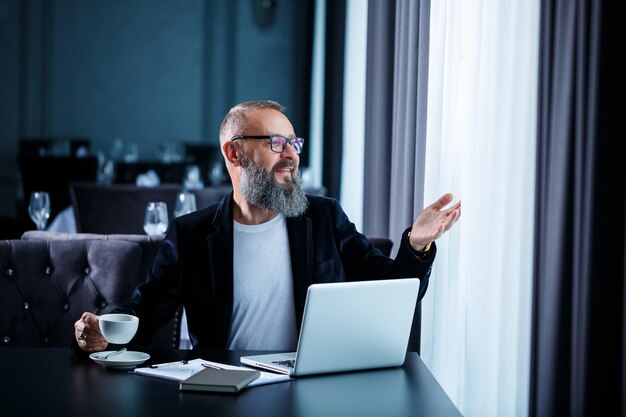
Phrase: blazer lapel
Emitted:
{"points": [[301, 248], [220, 245]]}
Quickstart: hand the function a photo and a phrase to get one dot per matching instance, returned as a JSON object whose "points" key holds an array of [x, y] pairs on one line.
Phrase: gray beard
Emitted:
{"points": [[259, 189]]}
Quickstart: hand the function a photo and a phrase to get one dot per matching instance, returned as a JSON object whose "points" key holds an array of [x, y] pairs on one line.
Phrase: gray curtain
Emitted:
{"points": [[381, 18], [577, 359], [395, 110], [395, 114]]}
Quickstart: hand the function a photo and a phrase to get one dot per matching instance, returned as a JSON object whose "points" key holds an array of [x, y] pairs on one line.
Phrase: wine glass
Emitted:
{"points": [[39, 208], [193, 178], [216, 172], [185, 203], [106, 171], [155, 220]]}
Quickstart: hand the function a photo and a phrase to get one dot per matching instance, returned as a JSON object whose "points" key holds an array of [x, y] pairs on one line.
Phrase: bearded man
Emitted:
{"points": [[241, 267]]}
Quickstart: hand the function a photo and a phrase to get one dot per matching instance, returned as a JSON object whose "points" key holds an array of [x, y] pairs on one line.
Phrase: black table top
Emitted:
{"points": [[48, 382]]}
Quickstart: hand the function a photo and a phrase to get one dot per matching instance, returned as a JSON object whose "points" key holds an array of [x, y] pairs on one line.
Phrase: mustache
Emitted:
{"points": [[284, 164]]}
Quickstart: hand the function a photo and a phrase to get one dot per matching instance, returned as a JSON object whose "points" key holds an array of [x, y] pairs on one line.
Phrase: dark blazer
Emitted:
{"points": [[194, 267]]}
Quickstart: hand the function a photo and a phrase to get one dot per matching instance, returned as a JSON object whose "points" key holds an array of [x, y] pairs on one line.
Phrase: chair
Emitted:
{"points": [[47, 285], [169, 335], [117, 208], [321, 190], [383, 244], [54, 174], [209, 195], [149, 244]]}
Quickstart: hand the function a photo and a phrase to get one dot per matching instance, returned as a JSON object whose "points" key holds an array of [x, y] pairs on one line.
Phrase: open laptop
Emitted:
{"points": [[349, 326]]}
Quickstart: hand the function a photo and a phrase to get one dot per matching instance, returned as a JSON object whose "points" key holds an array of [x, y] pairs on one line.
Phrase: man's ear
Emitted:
{"points": [[231, 153]]}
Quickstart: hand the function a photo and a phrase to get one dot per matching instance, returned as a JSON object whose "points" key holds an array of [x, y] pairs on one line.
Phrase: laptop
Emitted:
{"points": [[349, 326]]}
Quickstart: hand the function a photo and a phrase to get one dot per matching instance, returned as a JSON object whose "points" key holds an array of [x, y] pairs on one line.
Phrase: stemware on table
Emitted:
{"points": [[185, 203], [155, 219], [193, 178], [39, 208]]}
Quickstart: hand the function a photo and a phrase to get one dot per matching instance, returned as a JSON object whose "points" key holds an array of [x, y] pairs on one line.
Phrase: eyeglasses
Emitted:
{"points": [[277, 143]]}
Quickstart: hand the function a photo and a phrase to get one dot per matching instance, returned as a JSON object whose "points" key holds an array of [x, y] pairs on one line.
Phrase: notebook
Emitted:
{"points": [[349, 326], [219, 380]]}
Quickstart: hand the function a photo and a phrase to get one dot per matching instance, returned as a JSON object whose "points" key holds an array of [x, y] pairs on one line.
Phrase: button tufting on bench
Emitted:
{"points": [[42, 297]]}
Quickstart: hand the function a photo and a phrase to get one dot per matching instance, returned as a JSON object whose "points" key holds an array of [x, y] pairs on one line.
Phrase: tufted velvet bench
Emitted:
{"points": [[45, 286], [149, 244], [169, 335]]}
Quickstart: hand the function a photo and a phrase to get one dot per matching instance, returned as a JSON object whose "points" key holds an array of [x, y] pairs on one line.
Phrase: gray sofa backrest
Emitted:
{"points": [[149, 244], [169, 335], [45, 286]]}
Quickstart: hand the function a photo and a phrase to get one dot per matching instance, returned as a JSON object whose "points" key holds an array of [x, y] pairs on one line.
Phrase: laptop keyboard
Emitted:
{"points": [[288, 363]]}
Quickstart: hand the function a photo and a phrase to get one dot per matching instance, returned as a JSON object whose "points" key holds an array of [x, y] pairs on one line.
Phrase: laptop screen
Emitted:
{"points": [[356, 325]]}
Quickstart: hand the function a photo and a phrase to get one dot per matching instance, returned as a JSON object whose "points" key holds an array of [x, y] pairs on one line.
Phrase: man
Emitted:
{"points": [[241, 267]]}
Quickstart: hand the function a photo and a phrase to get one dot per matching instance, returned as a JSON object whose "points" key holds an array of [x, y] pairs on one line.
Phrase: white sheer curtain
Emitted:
{"points": [[481, 146]]}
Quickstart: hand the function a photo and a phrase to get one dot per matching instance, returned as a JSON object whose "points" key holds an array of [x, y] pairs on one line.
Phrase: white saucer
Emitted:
{"points": [[124, 360]]}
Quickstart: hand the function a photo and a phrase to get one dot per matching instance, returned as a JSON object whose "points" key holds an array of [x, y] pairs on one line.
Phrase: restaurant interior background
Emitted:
{"points": [[525, 308], [144, 74]]}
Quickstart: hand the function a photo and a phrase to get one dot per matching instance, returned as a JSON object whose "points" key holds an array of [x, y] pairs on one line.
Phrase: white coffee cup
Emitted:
{"points": [[118, 328]]}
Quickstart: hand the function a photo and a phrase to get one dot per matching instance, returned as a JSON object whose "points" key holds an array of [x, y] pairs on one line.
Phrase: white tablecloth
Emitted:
{"points": [[64, 221]]}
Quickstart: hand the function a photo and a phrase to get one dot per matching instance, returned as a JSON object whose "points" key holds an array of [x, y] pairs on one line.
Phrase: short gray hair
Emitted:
{"points": [[235, 121]]}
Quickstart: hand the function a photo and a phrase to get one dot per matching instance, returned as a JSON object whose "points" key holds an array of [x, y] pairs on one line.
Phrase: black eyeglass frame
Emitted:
{"points": [[270, 137]]}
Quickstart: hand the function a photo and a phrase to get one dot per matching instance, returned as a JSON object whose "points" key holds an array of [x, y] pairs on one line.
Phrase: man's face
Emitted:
{"points": [[271, 180], [282, 165]]}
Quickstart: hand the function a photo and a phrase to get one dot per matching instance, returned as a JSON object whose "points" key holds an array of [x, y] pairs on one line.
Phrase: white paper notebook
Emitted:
{"points": [[178, 371]]}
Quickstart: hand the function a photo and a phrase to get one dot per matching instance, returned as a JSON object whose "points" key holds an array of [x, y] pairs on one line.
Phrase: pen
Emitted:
{"points": [[208, 365], [161, 365]]}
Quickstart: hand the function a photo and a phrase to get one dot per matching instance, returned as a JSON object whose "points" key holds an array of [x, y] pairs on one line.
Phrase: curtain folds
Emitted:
{"points": [[395, 113], [577, 365], [480, 145], [410, 96], [378, 117]]}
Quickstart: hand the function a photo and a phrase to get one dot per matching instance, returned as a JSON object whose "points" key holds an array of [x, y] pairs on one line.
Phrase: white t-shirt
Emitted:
{"points": [[263, 305]]}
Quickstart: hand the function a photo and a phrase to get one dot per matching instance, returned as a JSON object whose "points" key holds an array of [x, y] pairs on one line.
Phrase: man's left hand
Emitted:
{"points": [[433, 222]]}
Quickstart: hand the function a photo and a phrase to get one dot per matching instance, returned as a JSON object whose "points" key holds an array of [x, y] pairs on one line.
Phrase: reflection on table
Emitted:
{"points": [[46, 381]]}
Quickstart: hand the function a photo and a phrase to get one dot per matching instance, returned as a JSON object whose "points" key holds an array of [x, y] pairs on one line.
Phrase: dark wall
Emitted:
{"points": [[9, 103], [146, 71]]}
